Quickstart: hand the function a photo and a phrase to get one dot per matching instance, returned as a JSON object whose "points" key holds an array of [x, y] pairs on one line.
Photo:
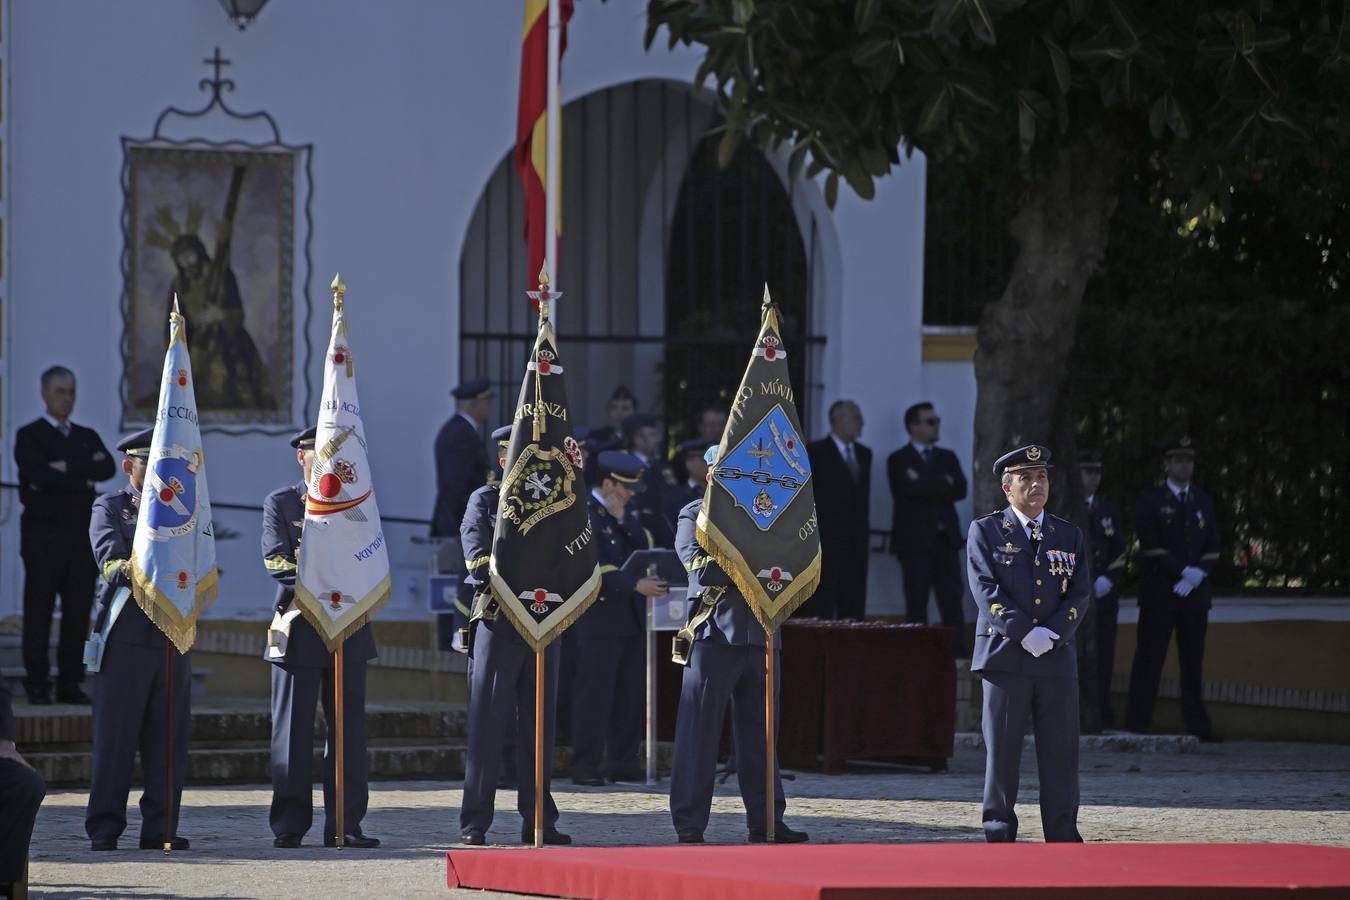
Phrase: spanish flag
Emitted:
{"points": [[531, 125]]}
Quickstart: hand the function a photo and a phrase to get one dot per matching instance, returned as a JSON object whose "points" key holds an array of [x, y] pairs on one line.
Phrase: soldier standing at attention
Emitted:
{"points": [[1105, 533], [1178, 548], [302, 677], [501, 686], [1029, 576], [129, 689]]}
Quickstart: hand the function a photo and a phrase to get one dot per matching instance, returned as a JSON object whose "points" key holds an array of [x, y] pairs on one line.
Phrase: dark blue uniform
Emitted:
{"points": [[607, 689], [301, 680], [1106, 543], [501, 687], [461, 466], [54, 544], [129, 691], [726, 664], [658, 479], [21, 793], [1018, 586], [1173, 535]]}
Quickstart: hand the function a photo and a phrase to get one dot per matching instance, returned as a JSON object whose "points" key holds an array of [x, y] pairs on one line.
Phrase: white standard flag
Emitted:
{"points": [[173, 554], [343, 576]]}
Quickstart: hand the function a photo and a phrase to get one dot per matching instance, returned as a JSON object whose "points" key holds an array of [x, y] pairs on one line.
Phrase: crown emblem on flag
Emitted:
{"points": [[776, 577], [182, 378], [572, 450], [540, 599], [771, 348], [546, 365]]}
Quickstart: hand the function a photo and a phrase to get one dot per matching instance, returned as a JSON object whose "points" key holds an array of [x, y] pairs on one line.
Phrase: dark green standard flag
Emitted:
{"points": [[759, 513], [544, 573]]}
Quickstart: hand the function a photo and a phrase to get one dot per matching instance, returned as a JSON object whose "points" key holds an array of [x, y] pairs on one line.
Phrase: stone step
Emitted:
{"points": [[71, 767], [245, 720]]}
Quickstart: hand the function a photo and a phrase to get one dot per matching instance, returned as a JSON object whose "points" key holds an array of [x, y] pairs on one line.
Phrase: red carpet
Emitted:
{"points": [[909, 870]]}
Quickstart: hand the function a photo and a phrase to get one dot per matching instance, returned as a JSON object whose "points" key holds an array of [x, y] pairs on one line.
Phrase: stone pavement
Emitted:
{"points": [[1228, 792]]}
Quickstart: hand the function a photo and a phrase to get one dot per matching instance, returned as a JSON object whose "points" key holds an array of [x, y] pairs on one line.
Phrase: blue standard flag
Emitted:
{"points": [[173, 555], [759, 513]]}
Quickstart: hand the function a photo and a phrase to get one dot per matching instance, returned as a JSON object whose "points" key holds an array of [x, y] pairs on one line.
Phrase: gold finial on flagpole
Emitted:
{"points": [[545, 295], [768, 301], [339, 289]]}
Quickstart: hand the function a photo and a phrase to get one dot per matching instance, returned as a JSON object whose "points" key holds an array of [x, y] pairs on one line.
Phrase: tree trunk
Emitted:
{"points": [[1025, 337]]}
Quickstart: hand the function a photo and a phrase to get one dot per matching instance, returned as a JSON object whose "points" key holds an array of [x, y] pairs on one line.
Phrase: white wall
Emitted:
{"points": [[409, 105]]}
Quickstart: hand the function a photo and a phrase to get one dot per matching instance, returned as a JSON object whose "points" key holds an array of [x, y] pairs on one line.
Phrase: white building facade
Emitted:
{"points": [[394, 124]]}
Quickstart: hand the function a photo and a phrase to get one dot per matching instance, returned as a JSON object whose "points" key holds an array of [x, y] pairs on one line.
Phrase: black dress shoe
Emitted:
{"points": [[781, 835], [179, 843], [589, 781], [358, 841], [103, 844], [286, 841], [552, 836], [690, 837], [474, 837], [73, 696]]}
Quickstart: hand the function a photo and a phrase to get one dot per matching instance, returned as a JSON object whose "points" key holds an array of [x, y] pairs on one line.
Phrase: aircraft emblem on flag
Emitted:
{"points": [[764, 472], [539, 485], [775, 578], [172, 480]]}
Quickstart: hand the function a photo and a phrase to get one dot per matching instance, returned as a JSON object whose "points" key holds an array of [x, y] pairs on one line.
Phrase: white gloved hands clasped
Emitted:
{"points": [[1102, 586], [1039, 640], [1182, 588], [1193, 575]]}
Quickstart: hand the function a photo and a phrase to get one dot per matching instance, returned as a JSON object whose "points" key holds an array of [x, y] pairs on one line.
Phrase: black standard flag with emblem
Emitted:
{"points": [[544, 573], [759, 513]]}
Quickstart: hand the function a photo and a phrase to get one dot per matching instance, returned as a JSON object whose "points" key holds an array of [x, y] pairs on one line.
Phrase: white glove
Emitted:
{"points": [[1102, 586], [1182, 588], [1039, 640], [1194, 575], [457, 642]]}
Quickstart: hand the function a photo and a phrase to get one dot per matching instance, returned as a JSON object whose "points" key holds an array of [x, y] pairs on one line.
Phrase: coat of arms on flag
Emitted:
{"points": [[544, 573], [173, 556], [342, 577], [759, 517]]}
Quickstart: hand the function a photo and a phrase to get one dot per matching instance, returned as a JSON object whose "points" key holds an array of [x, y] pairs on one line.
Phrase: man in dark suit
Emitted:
{"points": [[607, 689], [501, 688], [302, 678], [622, 404], [132, 687], [1029, 575], [1105, 533], [926, 483], [691, 476], [725, 665], [1178, 549], [59, 464], [461, 468], [841, 467], [21, 793]]}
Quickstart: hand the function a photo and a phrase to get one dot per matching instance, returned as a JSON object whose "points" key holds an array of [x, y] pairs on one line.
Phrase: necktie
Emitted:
{"points": [[927, 455], [1033, 531], [65, 429], [1185, 497], [851, 460]]}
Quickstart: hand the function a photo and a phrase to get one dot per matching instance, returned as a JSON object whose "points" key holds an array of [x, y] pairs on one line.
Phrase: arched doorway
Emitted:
{"points": [[663, 259]]}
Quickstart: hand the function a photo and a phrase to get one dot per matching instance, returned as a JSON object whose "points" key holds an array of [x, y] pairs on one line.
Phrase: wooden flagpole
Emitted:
{"points": [[770, 748], [338, 745], [539, 748], [169, 806]]}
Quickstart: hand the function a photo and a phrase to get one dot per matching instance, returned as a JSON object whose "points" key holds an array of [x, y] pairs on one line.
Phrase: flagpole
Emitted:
{"points": [[552, 116], [770, 750], [168, 741], [539, 748], [338, 741]]}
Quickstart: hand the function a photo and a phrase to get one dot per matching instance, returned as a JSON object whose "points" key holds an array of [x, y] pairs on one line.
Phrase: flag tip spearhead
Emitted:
{"points": [[338, 288], [543, 277], [768, 301], [176, 310]]}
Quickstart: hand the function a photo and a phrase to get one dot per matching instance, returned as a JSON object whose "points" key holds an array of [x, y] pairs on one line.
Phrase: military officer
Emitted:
{"points": [[302, 678], [725, 663], [1178, 547], [607, 699], [130, 687], [691, 475], [1029, 576], [1105, 533], [642, 437], [501, 687]]}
